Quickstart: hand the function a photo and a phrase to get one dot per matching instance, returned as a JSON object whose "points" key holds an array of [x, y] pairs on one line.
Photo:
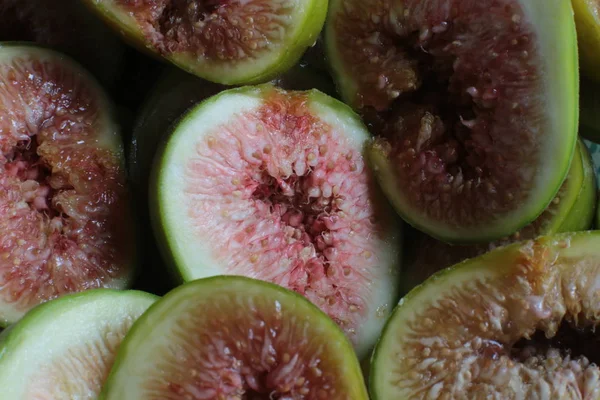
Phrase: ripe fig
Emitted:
{"points": [[64, 349], [587, 19], [516, 323], [234, 338], [272, 184], [475, 102], [572, 210], [175, 93], [228, 42], [66, 26], [65, 221]]}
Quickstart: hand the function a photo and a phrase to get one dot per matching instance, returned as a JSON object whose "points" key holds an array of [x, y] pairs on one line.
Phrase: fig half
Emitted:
{"points": [[235, 338], [272, 184], [65, 221], [64, 349], [225, 41], [475, 102], [572, 210], [516, 323]]}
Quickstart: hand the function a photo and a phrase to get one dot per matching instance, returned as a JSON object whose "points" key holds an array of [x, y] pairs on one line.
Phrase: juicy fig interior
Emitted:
{"points": [[528, 334], [283, 196], [61, 193], [219, 30], [451, 87], [249, 348]]}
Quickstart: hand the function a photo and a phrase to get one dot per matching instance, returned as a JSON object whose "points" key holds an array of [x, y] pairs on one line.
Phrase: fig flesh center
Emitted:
{"points": [[219, 30], [448, 84], [569, 343], [293, 205]]}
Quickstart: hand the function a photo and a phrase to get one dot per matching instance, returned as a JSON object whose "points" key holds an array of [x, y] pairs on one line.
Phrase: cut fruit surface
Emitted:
{"points": [[587, 18], [475, 102], [516, 323], [235, 338], [572, 210], [228, 42], [64, 349], [65, 222], [272, 184]]}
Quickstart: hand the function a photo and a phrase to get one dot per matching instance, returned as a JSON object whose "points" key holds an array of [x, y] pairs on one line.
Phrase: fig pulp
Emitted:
{"points": [[234, 338], [227, 42], [571, 210], [64, 349], [175, 93], [516, 323], [475, 103], [65, 221], [272, 184]]}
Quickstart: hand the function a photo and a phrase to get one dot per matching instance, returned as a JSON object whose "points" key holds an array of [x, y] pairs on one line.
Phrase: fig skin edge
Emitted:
{"points": [[565, 55], [145, 322], [127, 27]]}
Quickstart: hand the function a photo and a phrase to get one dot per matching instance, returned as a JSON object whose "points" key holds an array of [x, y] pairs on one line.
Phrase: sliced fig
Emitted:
{"points": [[235, 338], [587, 18], [65, 221], [516, 323], [224, 41], [272, 184], [64, 349], [475, 102], [571, 210], [66, 26]]}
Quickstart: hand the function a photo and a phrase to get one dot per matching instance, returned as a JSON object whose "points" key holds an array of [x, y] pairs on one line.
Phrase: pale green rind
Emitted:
{"points": [[110, 139], [496, 263], [59, 326], [171, 231], [556, 35], [145, 334], [581, 215], [309, 20]]}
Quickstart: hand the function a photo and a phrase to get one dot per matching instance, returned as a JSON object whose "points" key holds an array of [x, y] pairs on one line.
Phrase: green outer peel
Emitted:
{"points": [[588, 36], [304, 33], [581, 214], [494, 264], [557, 40], [111, 139], [174, 238], [148, 332], [54, 327]]}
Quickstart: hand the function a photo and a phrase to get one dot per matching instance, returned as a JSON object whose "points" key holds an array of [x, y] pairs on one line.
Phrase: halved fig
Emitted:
{"points": [[475, 102], [272, 184], [517, 323], [224, 41], [65, 222], [587, 19], [66, 26], [64, 349], [235, 338], [572, 210]]}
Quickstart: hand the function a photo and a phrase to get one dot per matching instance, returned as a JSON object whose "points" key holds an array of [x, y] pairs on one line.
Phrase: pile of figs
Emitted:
{"points": [[299, 199]]}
